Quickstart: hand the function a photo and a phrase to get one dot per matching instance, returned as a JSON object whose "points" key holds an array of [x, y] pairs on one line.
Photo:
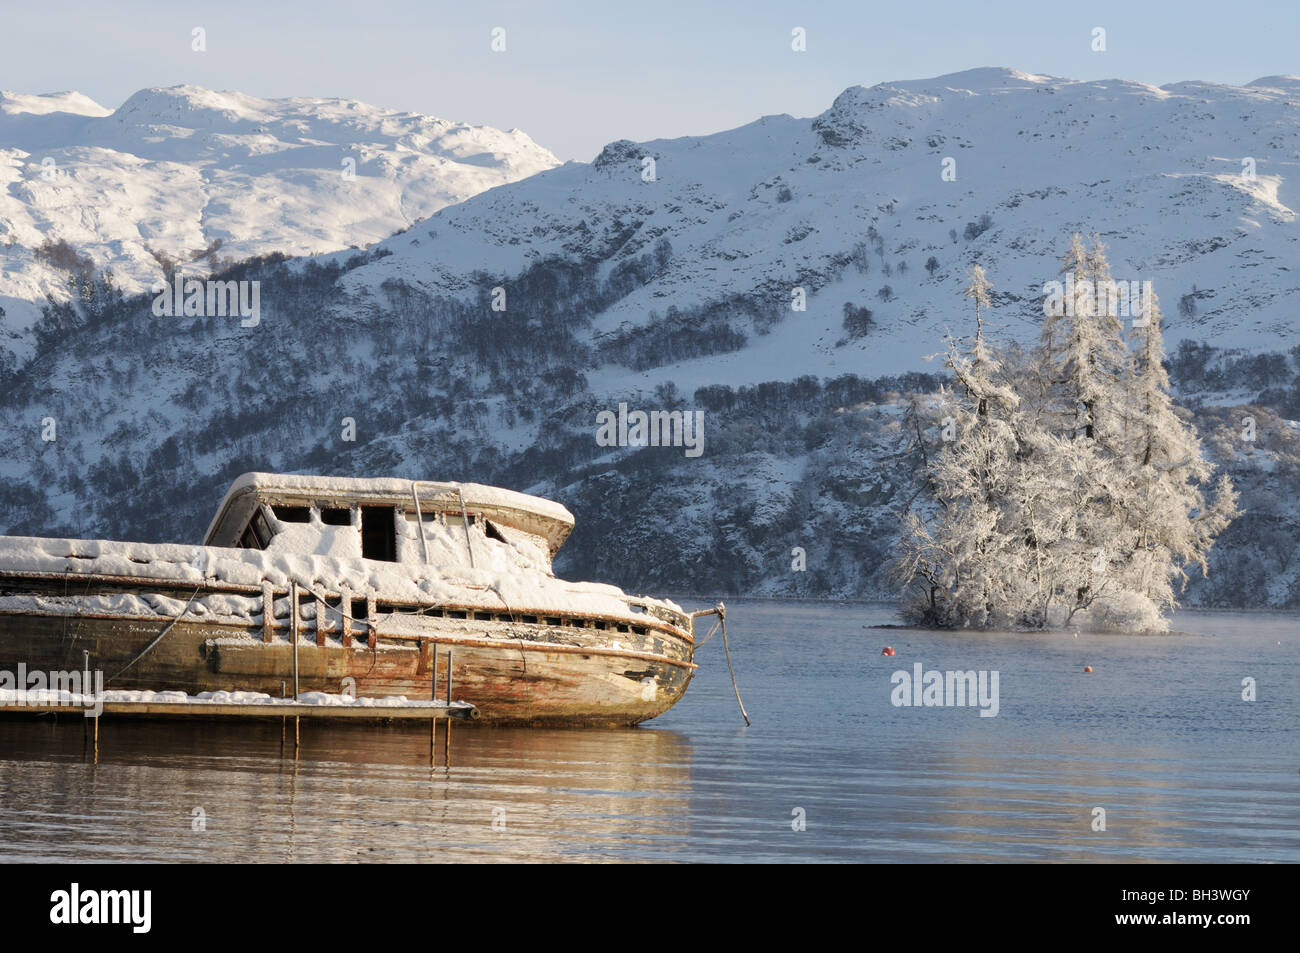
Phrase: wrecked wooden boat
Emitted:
{"points": [[368, 587]]}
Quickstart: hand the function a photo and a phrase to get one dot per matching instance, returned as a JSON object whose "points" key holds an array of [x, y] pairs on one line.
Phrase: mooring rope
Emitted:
{"points": [[720, 610], [148, 648], [722, 620], [705, 641]]}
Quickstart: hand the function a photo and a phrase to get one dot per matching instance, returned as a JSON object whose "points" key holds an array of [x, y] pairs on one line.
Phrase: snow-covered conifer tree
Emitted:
{"points": [[962, 552], [1167, 523], [1084, 500]]}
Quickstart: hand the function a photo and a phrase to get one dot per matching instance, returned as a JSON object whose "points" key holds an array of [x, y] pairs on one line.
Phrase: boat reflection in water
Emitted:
{"points": [[184, 791]]}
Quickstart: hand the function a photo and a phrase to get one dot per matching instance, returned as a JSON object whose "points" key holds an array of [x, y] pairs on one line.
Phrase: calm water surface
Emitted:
{"points": [[1158, 735]]}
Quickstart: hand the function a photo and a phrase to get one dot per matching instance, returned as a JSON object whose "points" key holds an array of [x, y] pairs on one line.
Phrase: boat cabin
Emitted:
{"points": [[389, 520]]}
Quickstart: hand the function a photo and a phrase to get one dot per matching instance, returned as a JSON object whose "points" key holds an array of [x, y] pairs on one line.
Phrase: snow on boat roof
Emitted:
{"points": [[532, 514]]}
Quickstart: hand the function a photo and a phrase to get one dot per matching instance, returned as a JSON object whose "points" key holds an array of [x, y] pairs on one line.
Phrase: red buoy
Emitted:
{"points": [[887, 650], [1087, 669]]}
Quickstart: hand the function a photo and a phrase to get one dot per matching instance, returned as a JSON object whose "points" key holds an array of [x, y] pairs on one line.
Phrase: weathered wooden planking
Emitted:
{"points": [[516, 674]]}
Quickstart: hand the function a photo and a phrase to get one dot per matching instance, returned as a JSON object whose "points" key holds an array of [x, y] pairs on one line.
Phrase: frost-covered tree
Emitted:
{"points": [[959, 554], [1064, 483], [1083, 338], [1167, 523]]}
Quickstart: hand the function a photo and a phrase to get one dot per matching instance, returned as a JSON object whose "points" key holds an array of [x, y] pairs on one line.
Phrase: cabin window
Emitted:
{"points": [[257, 535], [492, 532], [336, 516], [292, 514], [455, 519], [483, 616], [378, 533], [262, 529]]}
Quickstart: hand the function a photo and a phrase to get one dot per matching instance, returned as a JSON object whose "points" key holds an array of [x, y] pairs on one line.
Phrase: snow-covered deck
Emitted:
{"points": [[209, 583]]}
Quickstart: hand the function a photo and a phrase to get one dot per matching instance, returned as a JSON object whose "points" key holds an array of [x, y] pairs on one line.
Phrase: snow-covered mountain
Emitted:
{"points": [[481, 344], [855, 200], [186, 173]]}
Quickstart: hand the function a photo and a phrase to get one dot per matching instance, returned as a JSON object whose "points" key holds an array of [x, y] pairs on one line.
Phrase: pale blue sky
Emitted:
{"points": [[578, 74]]}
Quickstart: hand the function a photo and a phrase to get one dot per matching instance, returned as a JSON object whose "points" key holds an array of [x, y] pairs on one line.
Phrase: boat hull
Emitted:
{"points": [[515, 674]]}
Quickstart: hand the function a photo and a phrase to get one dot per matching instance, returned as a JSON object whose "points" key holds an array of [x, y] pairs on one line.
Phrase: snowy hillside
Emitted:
{"points": [[481, 344], [186, 173], [853, 201]]}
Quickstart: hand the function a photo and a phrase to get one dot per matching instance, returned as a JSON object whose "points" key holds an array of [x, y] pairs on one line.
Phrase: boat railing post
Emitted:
{"points": [[268, 612], [446, 744], [322, 625], [372, 617], [433, 694], [345, 615], [448, 677], [293, 633]]}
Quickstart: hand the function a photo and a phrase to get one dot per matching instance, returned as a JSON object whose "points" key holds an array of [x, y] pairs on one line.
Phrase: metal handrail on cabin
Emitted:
{"points": [[464, 516]]}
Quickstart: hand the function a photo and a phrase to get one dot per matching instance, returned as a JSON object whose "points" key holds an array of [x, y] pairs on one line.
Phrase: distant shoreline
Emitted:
{"points": [[886, 604]]}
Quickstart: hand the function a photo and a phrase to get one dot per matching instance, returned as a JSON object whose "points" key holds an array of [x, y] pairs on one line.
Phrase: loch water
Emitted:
{"points": [[1158, 736]]}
